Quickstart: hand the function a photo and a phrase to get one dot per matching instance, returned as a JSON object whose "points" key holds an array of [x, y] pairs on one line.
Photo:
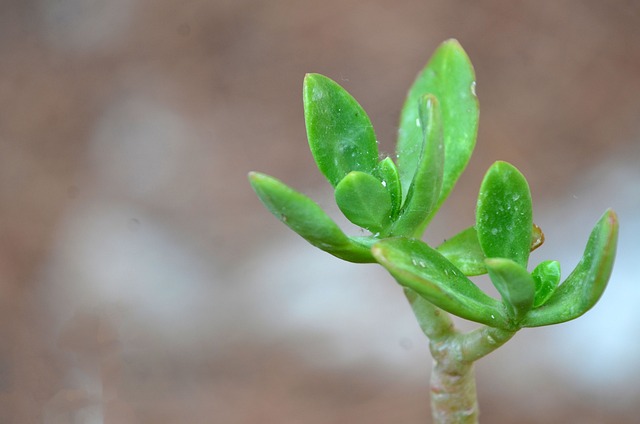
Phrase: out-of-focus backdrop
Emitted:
{"points": [[141, 281]]}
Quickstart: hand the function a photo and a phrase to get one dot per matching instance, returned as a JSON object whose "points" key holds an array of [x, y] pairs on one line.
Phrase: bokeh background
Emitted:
{"points": [[141, 281]]}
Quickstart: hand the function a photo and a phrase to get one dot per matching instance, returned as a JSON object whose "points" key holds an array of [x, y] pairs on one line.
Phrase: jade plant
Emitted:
{"points": [[395, 200]]}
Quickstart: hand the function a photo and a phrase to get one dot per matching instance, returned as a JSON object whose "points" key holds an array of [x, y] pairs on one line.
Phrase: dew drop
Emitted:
{"points": [[473, 88]]}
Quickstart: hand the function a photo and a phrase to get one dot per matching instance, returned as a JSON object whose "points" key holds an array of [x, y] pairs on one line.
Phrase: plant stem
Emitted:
{"points": [[453, 389], [453, 385]]}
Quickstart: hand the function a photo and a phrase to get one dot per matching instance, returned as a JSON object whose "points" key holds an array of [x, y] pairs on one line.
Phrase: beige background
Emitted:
{"points": [[142, 282]]}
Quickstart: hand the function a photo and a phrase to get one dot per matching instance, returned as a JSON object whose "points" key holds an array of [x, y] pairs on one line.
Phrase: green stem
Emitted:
{"points": [[433, 321], [453, 385], [453, 388]]}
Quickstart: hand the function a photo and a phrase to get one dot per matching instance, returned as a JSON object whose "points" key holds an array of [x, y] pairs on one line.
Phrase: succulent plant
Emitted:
{"points": [[395, 200]]}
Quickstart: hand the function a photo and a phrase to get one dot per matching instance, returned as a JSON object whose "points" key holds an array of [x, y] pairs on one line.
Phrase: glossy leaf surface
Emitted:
{"points": [[340, 133], [464, 251], [450, 77], [515, 285], [306, 218], [387, 172], [547, 277], [504, 214], [364, 201], [422, 269], [426, 184], [584, 286]]}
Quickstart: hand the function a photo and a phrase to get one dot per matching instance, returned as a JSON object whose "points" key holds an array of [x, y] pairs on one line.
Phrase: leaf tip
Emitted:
{"points": [[255, 177], [452, 42], [310, 80], [611, 217]]}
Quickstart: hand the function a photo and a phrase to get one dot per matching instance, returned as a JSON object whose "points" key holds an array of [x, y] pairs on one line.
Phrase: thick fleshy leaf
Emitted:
{"points": [[340, 133], [450, 77], [424, 191], [387, 172], [464, 250], [515, 285], [584, 286], [504, 214], [422, 269], [306, 218], [547, 277], [364, 200]]}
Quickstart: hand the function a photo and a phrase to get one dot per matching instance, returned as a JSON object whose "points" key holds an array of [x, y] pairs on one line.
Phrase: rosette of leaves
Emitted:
{"points": [[394, 201]]}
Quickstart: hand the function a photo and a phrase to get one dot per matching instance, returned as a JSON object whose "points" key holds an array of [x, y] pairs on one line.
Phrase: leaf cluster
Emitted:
{"points": [[395, 201]]}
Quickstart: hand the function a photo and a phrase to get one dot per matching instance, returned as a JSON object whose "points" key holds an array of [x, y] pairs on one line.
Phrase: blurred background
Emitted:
{"points": [[141, 281]]}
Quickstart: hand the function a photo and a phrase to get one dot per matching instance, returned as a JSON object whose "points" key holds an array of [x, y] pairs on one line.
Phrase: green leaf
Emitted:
{"points": [[547, 277], [387, 172], [364, 200], [515, 285], [424, 191], [464, 251], [340, 133], [504, 214], [450, 77], [584, 286], [306, 218], [422, 269]]}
